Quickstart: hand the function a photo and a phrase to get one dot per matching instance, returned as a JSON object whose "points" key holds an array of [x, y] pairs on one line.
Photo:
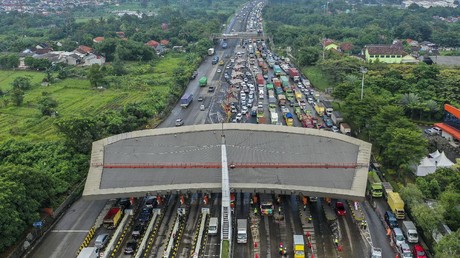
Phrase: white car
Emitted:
{"points": [[179, 122], [310, 100], [244, 110], [335, 129], [218, 70], [239, 116], [433, 131]]}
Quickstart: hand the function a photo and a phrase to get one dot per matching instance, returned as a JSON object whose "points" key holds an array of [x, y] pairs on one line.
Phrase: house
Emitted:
{"points": [[346, 47], [71, 58], [152, 43], [409, 59], [329, 44], [164, 42], [121, 34], [83, 50], [392, 54], [92, 58], [98, 39]]}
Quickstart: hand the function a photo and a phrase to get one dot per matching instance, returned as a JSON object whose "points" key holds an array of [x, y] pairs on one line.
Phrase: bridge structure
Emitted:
{"points": [[239, 35]]}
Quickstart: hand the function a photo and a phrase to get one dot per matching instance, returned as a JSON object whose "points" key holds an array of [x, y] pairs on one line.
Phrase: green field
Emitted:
{"points": [[75, 97]]}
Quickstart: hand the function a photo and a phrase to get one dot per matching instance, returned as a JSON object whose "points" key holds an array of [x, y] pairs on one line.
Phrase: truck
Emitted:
{"points": [[387, 188], [345, 128], [277, 70], [242, 231], [279, 90], [281, 100], [374, 185], [299, 246], [276, 82], [89, 252], [396, 205], [210, 51], [186, 99], [284, 82], [289, 119], [260, 116], [294, 74], [336, 117], [290, 95], [112, 218], [203, 82], [260, 80], [298, 95], [266, 204], [270, 86], [410, 231], [328, 107], [271, 97], [274, 117], [319, 107]]}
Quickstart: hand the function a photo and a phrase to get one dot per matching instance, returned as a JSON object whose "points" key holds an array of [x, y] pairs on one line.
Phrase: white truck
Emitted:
{"points": [[242, 231], [211, 51], [345, 128], [410, 231], [274, 117], [89, 252]]}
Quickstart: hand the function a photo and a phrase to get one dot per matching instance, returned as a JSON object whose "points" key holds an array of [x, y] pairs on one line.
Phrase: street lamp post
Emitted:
{"points": [[363, 71]]}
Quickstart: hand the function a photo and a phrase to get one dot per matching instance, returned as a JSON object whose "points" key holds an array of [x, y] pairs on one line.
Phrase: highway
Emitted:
{"points": [[67, 236]]}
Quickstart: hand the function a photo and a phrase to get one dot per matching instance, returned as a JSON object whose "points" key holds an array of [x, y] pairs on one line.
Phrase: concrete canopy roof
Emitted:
{"points": [[265, 158]]}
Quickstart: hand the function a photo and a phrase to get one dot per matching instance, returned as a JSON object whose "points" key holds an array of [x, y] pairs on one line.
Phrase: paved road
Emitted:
{"points": [[69, 233]]}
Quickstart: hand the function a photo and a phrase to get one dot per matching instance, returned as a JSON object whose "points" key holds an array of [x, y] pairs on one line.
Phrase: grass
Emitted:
{"points": [[225, 249], [316, 77], [75, 97]]}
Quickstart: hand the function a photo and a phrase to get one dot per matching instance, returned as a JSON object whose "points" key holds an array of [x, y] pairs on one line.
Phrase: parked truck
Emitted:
{"points": [[210, 51], [289, 119], [203, 82], [345, 128], [294, 74], [319, 107], [299, 246], [89, 252], [396, 205], [242, 233], [274, 118], [374, 185], [112, 218], [186, 99], [410, 231]]}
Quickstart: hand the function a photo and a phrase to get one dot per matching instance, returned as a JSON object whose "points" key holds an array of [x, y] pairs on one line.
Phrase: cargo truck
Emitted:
{"points": [[284, 82], [277, 70], [374, 185], [89, 252], [319, 107], [260, 116], [289, 119], [396, 205], [345, 128], [260, 80], [387, 188], [266, 204], [279, 90], [186, 99], [270, 86], [242, 231], [274, 118], [410, 231], [336, 117], [281, 100], [210, 51], [294, 74], [328, 108], [271, 97], [203, 81], [112, 218], [299, 246], [276, 82]]}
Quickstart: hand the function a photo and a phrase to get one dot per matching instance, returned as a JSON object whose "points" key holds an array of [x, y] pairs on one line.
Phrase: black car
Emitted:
{"points": [[138, 230], [130, 247]]}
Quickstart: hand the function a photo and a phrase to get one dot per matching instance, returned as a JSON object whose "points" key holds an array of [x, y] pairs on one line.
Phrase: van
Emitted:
{"points": [[410, 231], [213, 226], [101, 241], [398, 237]]}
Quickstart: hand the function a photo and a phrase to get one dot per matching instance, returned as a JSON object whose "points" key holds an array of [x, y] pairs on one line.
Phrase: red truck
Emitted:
{"points": [[112, 218], [276, 82], [294, 74], [260, 80]]}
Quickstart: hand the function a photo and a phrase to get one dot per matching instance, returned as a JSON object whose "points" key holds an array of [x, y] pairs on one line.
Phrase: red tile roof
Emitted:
{"points": [[84, 49], [152, 43], [164, 42], [346, 46], [98, 39]]}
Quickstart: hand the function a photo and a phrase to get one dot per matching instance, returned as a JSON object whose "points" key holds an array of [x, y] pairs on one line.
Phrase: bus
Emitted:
{"points": [[266, 204]]}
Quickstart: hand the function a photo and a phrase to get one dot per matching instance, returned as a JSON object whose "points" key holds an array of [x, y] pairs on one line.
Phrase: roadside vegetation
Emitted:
{"points": [[396, 96], [50, 114]]}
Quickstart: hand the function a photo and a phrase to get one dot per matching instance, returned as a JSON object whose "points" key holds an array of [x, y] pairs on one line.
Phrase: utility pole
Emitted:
{"points": [[363, 71]]}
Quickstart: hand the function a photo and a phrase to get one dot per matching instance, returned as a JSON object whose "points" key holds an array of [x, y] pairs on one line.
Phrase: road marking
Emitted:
{"points": [[348, 234], [70, 231]]}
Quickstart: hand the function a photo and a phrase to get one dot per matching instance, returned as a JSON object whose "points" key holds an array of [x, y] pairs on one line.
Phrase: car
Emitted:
{"points": [[328, 122], [433, 131], [130, 247], [266, 76], [340, 208], [244, 110], [219, 71], [234, 110], [248, 73], [390, 219], [138, 230], [211, 89], [151, 202], [101, 240], [376, 252], [194, 75], [200, 98], [313, 198], [228, 67], [335, 129], [418, 251], [238, 117], [202, 107], [310, 100], [245, 79], [179, 122], [404, 249]]}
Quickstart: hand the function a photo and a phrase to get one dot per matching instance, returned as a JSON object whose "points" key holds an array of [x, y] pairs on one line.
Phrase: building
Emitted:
{"points": [[392, 54], [451, 125], [329, 44]]}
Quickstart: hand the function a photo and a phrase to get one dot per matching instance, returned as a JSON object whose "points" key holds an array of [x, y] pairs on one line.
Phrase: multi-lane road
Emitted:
{"points": [[65, 239]]}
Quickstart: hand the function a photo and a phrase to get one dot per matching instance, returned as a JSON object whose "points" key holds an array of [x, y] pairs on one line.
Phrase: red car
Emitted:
{"points": [[418, 251], [340, 208]]}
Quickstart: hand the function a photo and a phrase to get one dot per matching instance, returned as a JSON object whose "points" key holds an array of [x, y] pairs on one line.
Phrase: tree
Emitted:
{"points": [[95, 75], [410, 102], [411, 194], [79, 132], [22, 83], [427, 218], [308, 56], [118, 67], [406, 147], [449, 246], [17, 96], [450, 200], [47, 104]]}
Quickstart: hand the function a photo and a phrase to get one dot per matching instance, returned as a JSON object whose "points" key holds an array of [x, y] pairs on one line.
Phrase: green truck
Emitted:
{"points": [[284, 81], [374, 185], [203, 81]]}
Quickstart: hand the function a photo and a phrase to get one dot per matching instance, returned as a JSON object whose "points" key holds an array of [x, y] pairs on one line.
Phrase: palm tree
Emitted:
{"points": [[410, 101], [432, 107]]}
